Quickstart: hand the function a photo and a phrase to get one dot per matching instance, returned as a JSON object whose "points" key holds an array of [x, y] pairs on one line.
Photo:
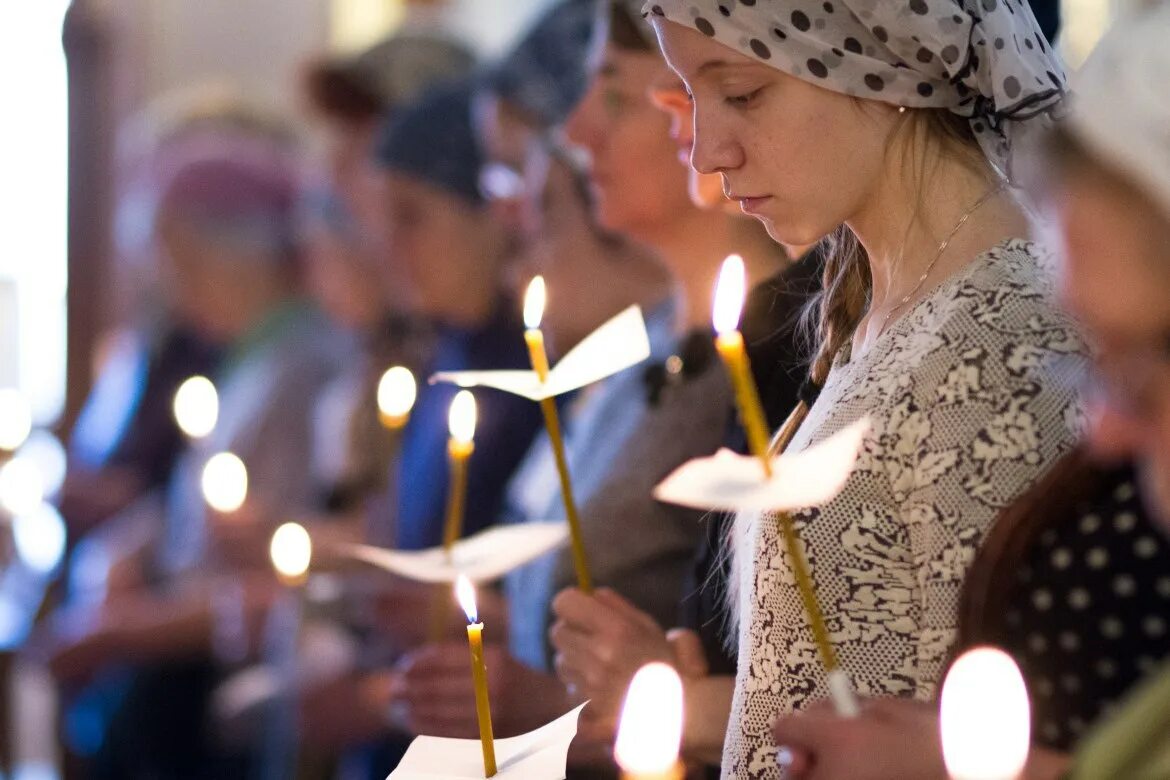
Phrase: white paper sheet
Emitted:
{"points": [[537, 755], [731, 482], [618, 344], [484, 557]]}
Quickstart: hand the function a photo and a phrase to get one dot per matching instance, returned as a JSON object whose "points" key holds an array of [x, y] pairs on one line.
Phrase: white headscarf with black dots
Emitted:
{"points": [[983, 59]]}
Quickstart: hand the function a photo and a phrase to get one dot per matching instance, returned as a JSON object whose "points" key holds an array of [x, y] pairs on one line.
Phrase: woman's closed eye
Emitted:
{"points": [[741, 98]]}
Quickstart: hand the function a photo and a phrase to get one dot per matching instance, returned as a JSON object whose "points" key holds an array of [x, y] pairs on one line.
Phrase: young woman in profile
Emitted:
{"points": [[886, 128]]}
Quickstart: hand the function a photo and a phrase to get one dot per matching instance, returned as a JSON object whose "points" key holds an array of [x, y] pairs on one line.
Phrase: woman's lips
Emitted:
{"points": [[750, 204]]}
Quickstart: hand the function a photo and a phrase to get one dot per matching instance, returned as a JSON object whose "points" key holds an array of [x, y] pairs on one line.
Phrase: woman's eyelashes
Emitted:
{"points": [[743, 99]]}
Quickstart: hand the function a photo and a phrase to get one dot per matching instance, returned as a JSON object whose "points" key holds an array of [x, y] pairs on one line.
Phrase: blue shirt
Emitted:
{"points": [[505, 429], [597, 426]]}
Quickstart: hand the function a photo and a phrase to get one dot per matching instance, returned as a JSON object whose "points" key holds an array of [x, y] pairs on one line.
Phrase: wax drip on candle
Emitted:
{"points": [[196, 407], [985, 717], [397, 391], [225, 482], [650, 729]]}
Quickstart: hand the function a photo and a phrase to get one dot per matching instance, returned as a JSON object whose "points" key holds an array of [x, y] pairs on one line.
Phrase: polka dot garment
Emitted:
{"points": [[982, 59], [1088, 613]]}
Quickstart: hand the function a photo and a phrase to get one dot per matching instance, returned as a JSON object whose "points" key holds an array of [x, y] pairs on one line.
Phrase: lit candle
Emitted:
{"points": [[196, 407], [225, 482], [729, 298], [397, 391], [985, 718], [466, 595], [534, 302], [650, 730], [291, 551], [728, 307], [461, 421]]}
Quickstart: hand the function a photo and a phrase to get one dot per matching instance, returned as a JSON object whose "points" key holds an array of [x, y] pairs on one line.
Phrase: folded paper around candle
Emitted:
{"points": [[730, 482], [537, 755], [483, 557], [615, 346]]}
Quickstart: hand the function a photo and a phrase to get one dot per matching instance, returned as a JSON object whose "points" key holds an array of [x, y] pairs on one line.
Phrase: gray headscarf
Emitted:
{"points": [[982, 59], [1121, 107]]}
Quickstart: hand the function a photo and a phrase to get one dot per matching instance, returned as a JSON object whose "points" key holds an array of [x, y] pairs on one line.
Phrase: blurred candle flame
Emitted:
{"points": [[534, 302], [729, 294], [196, 407], [291, 550], [225, 482], [650, 730], [397, 391], [461, 418], [985, 717]]}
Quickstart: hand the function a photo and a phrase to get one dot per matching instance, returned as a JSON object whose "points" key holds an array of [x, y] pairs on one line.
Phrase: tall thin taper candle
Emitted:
{"points": [[729, 298], [461, 424], [533, 312], [466, 595]]}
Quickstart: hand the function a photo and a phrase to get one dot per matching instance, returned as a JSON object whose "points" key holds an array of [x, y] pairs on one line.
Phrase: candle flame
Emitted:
{"points": [[534, 302], [291, 550], [397, 392], [729, 292], [225, 482], [465, 593], [461, 418], [650, 730], [196, 407], [985, 717]]}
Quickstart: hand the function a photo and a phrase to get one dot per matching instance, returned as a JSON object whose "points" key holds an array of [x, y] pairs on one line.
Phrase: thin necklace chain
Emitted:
{"points": [[941, 248]]}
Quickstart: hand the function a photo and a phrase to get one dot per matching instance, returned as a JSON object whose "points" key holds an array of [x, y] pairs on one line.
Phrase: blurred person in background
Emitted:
{"points": [[224, 222], [342, 226]]}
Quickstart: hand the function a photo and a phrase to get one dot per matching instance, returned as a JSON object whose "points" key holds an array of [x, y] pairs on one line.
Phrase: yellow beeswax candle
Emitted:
{"points": [[534, 301], [466, 595], [729, 298]]}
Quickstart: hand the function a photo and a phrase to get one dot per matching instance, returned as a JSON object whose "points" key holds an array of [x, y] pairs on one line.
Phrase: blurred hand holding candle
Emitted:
{"points": [[397, 392], [985, 717], [650, 730], [465, 592], [196, 407]]}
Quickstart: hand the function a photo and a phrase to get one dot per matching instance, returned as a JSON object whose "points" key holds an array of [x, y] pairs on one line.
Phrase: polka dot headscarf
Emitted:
{"points": [[983, 59]]}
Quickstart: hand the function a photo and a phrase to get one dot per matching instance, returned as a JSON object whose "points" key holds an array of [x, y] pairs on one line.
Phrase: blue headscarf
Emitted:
{"points": [[431, 139], [547, 73]]}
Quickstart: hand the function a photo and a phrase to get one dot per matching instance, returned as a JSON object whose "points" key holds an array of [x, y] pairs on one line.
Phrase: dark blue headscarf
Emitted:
{"points": [[431, 139], [546, 74]]}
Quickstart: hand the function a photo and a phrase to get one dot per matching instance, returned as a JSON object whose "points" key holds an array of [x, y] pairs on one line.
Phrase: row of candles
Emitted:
{"points": [[648, 741]]}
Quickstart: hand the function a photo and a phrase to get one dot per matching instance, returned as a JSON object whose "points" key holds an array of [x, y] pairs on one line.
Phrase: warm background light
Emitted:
{"points": [[291, 550], [22, 488], [461, 418], [465, 593], [985, 717], [729, 292], [196, 407], [534, 301], [650, 730], [15, 419], [397, 391], [225, 482]]}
